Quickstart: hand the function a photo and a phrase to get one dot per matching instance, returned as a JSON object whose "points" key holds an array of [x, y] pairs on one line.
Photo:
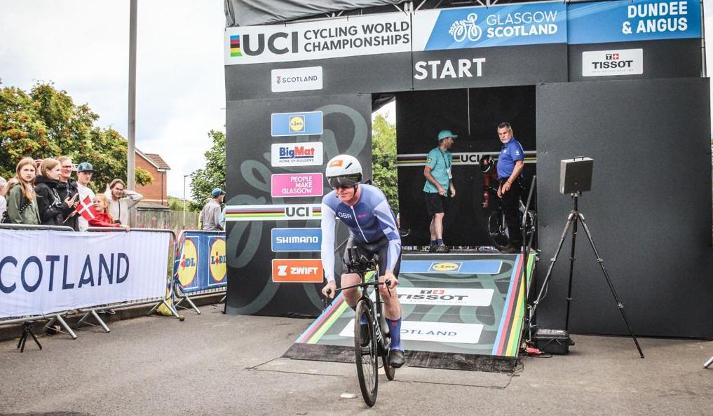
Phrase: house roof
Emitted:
{"points": [[155, 160]]}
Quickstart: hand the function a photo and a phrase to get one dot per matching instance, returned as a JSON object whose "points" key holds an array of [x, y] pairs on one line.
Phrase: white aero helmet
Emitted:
{"points": [[343, 170]]}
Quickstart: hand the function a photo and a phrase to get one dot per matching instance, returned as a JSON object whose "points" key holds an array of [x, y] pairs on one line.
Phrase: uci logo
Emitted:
{"points": [[279, 43], [445, 267], [297, 212]]}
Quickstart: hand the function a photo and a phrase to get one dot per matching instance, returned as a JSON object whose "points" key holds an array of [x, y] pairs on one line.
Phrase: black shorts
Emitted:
{"points": [[435, 204], [380, 247]]}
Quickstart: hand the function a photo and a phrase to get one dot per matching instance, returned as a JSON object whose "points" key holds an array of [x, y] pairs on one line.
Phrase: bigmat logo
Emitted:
{"points": [[431, 331], [297, 271], [296, 154], [445, 297], [613, 62]]}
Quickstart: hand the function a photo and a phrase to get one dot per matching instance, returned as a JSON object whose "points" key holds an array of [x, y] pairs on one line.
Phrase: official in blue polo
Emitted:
{"points": [[510, 164], [438, 185]]}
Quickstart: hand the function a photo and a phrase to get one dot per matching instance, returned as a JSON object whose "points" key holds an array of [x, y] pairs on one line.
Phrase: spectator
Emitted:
{"points": [[85, 170], [21, 201], [52, 208], [121, 200], [211, 212], [3, 201], [103, 218], [66, 188]]}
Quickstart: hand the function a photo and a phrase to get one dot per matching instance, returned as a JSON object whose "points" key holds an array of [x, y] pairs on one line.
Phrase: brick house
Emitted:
{"points": [[155, 194]]}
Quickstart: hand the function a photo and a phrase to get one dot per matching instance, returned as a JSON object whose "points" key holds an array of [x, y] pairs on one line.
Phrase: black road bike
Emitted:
{"points": [[498, 227], [371, 340]]}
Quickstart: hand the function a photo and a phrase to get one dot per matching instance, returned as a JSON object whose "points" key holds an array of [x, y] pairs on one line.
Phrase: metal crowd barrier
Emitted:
{"points": [[182, 294], [53, 317], [158, 302]]}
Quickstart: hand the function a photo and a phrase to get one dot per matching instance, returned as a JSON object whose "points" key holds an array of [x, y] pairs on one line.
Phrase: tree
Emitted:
{"points": [[383, 155], [47, 123], [203, 181]]}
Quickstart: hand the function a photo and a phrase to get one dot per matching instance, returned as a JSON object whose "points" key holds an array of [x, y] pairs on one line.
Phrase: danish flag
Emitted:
{"points": [[86, 209]]}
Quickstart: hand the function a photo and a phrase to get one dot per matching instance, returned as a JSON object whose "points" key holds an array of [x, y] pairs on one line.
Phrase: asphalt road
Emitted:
{"points": [[215, 364]]}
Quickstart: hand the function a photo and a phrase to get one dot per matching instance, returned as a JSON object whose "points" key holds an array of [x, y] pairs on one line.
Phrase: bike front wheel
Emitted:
{"points": [[366, 354], [498, 229]]}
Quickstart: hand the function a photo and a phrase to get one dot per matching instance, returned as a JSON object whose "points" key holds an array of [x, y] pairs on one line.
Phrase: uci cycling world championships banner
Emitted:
{"points": [[466, 27], [42, 272]]}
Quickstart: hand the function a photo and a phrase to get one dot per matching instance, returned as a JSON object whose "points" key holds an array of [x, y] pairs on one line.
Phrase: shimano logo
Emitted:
{"points": [[297, 240]]}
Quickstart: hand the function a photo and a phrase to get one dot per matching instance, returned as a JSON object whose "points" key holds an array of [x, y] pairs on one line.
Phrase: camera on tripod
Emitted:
{"points": [[359, 262]]}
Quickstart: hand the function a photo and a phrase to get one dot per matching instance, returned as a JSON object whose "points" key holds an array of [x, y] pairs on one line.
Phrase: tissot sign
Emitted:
{"points": [[367, 35]]}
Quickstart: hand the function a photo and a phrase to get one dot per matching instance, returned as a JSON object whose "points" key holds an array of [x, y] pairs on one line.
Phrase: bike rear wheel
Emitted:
{"points": [[367, 358]]}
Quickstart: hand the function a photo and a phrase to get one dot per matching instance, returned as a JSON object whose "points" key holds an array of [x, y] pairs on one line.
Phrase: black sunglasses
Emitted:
{"points": [[342, 182]]}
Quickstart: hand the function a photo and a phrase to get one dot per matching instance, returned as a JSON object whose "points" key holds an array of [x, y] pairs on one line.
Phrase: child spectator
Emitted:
{"points": [[103, 218]]}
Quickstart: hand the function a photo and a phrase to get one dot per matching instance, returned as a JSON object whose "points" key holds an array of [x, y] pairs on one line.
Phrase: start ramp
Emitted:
{"points": [[459, 311]]}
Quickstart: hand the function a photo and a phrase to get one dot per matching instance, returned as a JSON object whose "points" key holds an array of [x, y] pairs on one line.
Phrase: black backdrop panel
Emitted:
{"points": [[347, 129], [473, 114], [354, 74], [649, 210], [662, 59]]}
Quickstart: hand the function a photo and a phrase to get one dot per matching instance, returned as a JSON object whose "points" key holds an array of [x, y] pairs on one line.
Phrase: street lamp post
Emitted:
{"points": [[184, 199]]}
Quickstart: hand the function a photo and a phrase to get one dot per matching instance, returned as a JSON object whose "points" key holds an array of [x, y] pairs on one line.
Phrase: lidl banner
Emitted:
{"points": [[201, 261], [296, 124], [626, 21], [42, 272]]}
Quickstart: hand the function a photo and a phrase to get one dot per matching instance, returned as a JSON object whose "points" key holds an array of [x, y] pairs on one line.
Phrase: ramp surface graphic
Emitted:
{"points": [[459, 311]]}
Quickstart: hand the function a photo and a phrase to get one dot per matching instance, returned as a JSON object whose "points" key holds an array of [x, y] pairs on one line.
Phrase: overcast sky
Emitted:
{"points": [[82, 46]]}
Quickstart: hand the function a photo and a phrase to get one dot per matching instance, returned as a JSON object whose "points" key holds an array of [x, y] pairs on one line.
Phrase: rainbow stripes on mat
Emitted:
{"points": [[507, 342]]}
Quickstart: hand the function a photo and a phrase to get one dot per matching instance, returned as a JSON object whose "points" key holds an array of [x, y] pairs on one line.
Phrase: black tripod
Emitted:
{"points": [[574, 218], [27, 331]]}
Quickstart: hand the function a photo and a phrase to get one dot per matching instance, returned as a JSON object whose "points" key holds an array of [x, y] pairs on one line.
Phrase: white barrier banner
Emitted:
{"points": [[43, 272]]}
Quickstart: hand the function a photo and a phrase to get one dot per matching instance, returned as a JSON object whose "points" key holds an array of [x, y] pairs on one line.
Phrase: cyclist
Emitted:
{"points": [[372, 229]]}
